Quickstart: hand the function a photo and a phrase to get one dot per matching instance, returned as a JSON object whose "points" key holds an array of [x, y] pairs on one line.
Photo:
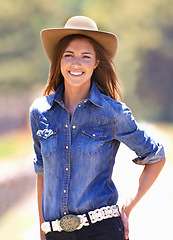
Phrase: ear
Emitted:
{"points": [[96, 64]]}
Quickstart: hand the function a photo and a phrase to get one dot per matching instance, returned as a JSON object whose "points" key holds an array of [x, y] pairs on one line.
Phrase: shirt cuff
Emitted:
{"points": [[152, 158]]}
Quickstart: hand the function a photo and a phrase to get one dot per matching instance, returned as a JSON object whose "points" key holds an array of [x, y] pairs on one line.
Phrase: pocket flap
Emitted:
{"points": [[45, 133], [95, 133]]}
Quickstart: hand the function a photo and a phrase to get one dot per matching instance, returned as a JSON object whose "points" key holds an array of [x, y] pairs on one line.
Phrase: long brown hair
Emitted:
{"points": [[104, 75]]}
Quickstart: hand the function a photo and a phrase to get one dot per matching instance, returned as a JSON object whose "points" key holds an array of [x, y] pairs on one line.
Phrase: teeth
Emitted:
{"points": [[76, 73]]}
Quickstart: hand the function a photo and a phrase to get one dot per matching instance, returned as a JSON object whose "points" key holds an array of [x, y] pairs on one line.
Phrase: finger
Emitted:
{"points": [[125, 222], [126, 231], [127, 236], [126, 228]]}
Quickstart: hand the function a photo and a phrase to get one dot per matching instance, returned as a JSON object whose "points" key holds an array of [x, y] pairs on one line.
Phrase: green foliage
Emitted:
{"points": [[141, 26], [15, 145], [155, 88]]}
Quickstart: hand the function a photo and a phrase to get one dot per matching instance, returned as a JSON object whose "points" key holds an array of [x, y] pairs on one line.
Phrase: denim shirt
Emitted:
{"points": [[77, 156]]}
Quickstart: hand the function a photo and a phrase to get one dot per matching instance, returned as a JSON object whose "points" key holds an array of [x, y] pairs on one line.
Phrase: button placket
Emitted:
{"points": [[64, 207], [70, 131]]}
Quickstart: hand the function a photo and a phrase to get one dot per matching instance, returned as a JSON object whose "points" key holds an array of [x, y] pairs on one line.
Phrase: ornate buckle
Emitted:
{"points": [[69, 223]]}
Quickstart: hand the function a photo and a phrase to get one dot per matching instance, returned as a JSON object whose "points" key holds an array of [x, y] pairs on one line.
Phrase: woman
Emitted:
{"points": [[77, 129]]}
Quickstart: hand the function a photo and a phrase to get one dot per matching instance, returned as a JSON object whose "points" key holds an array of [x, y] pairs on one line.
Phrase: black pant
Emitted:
{"points": [[108, 229]]}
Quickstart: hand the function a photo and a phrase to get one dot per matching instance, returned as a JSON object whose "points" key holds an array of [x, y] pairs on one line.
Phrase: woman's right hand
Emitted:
{"points": [[42, 235]]}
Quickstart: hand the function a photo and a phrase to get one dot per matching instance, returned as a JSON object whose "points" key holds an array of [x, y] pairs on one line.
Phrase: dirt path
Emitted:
{"points": [[152, 217]]}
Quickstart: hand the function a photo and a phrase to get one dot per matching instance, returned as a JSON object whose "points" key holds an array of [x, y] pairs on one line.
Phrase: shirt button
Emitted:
{"points": [[64, 191], [65, 213], [66, 147], [66, 169], [66, 126], [85, 101], [79, 105], [94, 135], [74, 127]]}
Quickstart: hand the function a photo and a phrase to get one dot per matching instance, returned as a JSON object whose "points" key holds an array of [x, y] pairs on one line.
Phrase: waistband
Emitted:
{"points": [[70, 223]]}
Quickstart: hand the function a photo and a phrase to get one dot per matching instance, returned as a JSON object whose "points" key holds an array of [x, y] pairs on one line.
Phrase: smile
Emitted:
{"points": [[75, 73]]}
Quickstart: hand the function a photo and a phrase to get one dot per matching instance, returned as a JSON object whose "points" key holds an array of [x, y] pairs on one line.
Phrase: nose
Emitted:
{"points": [[76, 61]]}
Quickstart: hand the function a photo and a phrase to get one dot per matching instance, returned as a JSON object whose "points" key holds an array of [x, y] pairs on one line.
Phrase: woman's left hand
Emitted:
{"points": [[125, 220], [147, 178]]}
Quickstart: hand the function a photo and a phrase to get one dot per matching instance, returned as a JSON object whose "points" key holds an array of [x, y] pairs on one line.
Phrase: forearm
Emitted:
{"points": [[147, 178], [40, 179]]}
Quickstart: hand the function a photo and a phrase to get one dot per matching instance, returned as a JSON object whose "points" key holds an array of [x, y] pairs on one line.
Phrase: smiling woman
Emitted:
{"points": [[77, 128], [78, 63], [103, 75]]}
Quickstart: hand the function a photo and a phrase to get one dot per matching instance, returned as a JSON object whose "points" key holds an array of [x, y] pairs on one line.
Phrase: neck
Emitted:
{"points": [[74, 94]]}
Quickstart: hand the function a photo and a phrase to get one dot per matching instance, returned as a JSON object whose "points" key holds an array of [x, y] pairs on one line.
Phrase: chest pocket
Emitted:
{"points": [[48, 140], [91, 141]]}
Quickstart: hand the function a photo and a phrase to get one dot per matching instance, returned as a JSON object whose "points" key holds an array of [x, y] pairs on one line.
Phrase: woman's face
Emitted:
{"points": [[78, 62]]}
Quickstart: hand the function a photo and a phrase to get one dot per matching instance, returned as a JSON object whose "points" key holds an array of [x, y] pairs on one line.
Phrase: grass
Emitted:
{"points": [[15, 145], [18, 219]]}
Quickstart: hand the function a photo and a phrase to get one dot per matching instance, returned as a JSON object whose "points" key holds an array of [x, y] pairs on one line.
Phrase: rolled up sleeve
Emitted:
{"points": [[128, 132], [38, 161]]}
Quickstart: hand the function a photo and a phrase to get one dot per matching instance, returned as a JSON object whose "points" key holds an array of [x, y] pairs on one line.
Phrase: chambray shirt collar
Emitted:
{"points": [[94, 96]]}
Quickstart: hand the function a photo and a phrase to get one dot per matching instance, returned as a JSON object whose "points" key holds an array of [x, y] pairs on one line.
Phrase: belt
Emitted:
{"points": [[70, 223]]}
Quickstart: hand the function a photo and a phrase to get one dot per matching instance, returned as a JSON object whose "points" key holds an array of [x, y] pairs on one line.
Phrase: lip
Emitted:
{"points": [[76, 73]]}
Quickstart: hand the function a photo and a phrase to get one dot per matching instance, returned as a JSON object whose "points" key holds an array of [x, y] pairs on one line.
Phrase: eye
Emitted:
{"points": [[86, 57], [68, 55]]}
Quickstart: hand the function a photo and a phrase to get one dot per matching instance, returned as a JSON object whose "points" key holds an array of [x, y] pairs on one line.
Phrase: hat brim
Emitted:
{"points": [[50, 38]]}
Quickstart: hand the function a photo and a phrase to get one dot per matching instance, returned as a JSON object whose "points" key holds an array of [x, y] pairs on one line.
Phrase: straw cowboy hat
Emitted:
{"points": [[78, 25]]}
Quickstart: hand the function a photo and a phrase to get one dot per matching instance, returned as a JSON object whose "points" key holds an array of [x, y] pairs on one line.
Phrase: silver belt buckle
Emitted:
{"points": [[69, 223]]}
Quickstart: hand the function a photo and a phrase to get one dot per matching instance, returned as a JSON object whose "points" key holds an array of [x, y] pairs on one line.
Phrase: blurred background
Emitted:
{"points": [[144, 63]]}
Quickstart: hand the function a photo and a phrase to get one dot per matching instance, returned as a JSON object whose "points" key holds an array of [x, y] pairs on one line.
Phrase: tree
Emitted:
{"points": [[155, 81]]}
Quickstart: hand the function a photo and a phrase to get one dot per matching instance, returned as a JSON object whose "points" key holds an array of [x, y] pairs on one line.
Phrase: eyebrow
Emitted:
{"points": [[68, 52], [87, 53], [82, 52]]}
